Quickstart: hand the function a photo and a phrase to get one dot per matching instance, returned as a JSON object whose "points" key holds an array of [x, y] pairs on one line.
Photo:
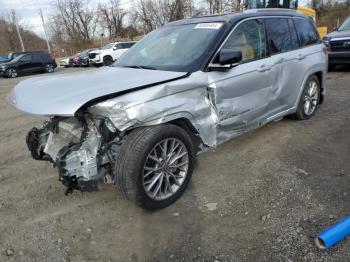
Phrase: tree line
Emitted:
{"points": [[77, 24], [9, 39]]}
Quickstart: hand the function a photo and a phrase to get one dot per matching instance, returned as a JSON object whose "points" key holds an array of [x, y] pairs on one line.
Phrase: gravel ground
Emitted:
{"points": [[261, 197]]}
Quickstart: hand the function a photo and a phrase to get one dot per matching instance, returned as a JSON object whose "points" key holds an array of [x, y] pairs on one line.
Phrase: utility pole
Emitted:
{"points": [[46, 37], [19, 36], [14, 20]]}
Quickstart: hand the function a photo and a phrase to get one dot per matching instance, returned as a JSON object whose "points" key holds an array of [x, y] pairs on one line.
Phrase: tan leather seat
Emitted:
{"points": [[241, 44]]}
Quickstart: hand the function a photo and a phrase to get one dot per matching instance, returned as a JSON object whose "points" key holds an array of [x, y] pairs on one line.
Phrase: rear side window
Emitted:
{"points": [[128, 45], [280, 39], [249, 38], [306, 32]]}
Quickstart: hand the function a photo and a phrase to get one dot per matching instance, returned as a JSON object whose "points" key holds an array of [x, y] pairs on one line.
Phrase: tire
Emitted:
{"points": [[49, 68], [11, 73], [312, 97], [137, 155], [107, 60]]}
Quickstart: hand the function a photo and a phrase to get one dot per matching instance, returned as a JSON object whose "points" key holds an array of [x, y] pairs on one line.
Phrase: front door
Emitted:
{"points": [[241, 95], [25, 63]]}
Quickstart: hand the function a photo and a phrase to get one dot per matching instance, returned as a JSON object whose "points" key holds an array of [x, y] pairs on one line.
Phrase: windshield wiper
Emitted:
{"points": [[141, 67]]}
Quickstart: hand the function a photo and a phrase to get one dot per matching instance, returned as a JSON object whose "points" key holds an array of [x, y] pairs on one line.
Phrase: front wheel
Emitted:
{"points": [[155, 165], [309, 99], [11, 73]]}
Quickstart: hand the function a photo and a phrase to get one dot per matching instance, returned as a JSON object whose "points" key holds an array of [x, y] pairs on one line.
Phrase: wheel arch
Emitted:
{"points": [[320, 77], [182, 122]]}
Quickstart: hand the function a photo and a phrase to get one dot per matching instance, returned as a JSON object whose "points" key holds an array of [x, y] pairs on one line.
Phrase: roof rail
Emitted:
{"points": [[270, 10]]}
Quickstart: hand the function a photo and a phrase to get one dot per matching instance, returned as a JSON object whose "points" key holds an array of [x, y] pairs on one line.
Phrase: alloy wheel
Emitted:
{"points": [[165, 169], [311, 98], [12, 73], [49, 68]]}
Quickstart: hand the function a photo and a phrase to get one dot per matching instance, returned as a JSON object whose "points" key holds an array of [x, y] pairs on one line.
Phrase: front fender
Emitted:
{"points": [[160, 104]]}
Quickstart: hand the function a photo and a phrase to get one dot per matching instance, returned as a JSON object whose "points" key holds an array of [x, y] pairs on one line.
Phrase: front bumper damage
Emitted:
{"points": [[77, 148]]}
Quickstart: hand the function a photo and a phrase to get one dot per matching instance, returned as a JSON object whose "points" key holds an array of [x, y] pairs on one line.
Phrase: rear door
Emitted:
{"points": [[241, 95], [38, 62], [284, 51], [121, 48]]}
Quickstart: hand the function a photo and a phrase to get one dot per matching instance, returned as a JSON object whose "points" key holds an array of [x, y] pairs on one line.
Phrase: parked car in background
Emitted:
{"points": [[64, 62], [183, 89], [74, 60], [338, 44], [83, 58], [109, 53], [28, 63]]}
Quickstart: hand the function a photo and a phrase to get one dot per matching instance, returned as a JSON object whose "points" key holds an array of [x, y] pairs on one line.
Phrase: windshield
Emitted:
{"points": [[172, 48], [109, 46], [345, 25]]}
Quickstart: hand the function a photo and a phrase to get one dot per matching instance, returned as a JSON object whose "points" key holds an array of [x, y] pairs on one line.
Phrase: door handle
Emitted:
{"points": [[301, 56], [264, 68]]}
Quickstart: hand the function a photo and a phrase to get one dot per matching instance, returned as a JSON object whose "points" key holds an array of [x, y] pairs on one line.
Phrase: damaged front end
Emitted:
{"points": [[82, 148]]}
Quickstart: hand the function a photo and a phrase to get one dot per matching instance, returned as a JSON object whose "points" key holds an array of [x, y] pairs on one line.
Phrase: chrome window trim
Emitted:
{"points": [[211, 64]]}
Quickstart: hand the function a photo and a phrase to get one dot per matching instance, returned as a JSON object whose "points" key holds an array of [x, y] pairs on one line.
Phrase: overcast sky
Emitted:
{"points": [[28, 10]]}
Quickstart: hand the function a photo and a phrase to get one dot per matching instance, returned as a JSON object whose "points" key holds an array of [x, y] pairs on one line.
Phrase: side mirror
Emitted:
{"points": [[229, 57], [114, 48], [226, 59], [335, 29]]}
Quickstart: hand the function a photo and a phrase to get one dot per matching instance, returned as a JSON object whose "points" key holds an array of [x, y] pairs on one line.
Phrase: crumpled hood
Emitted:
{"points": [[64, 94], [339, 34]]}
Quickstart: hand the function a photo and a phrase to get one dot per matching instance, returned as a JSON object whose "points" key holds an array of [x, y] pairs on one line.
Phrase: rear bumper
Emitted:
{"points": [[339, 58]]}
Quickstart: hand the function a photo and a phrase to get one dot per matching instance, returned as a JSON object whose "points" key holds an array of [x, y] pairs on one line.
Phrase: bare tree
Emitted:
{"points": [[155, 13], [74, 22], [112, 16]]}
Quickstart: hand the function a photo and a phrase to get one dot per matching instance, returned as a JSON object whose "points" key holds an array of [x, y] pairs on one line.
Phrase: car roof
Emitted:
{"points": [[28, 52], [234, 17]]}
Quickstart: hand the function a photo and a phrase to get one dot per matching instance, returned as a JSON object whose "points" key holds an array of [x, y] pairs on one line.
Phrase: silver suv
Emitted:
{"points": [[185, 88]]}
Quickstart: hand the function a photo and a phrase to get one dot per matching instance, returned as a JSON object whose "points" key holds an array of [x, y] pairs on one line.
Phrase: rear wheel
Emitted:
{"points": [[107, 60], [11, 73], [309, 99], [155, 165], [49, 68]]}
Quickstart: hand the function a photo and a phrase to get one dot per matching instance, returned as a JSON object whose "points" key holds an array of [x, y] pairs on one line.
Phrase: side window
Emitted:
{"points": [[306, 32], [293, 34], [278, 35], [118, 46], [26, 58], [249, 38], [38, 57]]}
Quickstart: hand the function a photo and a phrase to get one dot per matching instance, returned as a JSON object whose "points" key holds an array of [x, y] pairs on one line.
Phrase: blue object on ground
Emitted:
{"points": [[334, 234]]}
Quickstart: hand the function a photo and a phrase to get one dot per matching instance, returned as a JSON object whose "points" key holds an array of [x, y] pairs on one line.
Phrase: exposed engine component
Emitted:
{"points": [[81, 149]]}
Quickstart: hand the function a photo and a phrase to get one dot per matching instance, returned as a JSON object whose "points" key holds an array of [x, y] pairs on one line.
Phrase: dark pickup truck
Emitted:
{"points": [[338, 43]]}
